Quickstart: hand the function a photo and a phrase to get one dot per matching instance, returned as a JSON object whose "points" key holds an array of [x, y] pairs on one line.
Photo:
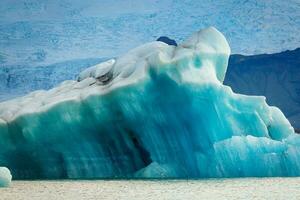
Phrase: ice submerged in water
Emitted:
{"points": [[159, 111], [5, 177]]}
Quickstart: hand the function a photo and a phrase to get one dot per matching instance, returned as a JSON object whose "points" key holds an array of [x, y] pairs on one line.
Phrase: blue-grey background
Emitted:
{"points": [[43, 32]]}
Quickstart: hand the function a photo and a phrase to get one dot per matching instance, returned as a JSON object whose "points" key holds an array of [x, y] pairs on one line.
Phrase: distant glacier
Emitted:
{"points": [[34, 33]]}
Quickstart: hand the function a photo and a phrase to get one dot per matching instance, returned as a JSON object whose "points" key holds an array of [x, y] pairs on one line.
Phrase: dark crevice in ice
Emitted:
{"points": [[106, 78], [143, 153]]}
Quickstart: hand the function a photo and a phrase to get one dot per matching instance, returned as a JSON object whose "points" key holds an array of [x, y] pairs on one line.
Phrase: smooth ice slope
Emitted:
{"points": [[5, 177], [159, 111]]}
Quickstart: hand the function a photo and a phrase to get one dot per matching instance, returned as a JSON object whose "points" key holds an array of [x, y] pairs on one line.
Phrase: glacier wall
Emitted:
{"points": [[159, 111], [41, 33]]}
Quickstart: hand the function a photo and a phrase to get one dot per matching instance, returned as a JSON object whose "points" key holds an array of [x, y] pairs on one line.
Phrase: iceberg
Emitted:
{"points": [[5, 177], [159, 111]]}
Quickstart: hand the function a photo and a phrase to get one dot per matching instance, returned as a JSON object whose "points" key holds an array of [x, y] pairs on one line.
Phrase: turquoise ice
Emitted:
{"points": [[159, 111]]}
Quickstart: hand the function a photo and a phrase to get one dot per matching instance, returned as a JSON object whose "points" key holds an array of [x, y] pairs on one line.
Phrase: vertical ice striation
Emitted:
{"points": [[159, 111]]}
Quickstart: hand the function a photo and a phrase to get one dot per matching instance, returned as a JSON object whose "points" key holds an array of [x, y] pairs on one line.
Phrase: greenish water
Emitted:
{"points": [[246, 188]]}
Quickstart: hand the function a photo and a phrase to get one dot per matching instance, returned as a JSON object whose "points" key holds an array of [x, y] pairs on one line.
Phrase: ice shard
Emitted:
{"points": [[5, 177], [159, 111]]}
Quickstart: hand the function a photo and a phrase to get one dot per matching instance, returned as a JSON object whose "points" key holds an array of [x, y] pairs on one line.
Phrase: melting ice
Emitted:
{"points": [[159, 111]]}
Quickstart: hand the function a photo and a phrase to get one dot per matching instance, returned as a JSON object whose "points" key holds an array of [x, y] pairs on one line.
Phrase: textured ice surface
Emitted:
{"points": [[5, 177], [158, 111], [276, 76], [34, 33]]}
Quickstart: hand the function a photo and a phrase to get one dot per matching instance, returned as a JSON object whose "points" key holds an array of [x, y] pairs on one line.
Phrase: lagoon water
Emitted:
{"points": [[243, 188]]}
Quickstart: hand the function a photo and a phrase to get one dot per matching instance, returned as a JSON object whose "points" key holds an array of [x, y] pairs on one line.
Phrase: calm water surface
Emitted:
{"points": [[248, 188]]}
